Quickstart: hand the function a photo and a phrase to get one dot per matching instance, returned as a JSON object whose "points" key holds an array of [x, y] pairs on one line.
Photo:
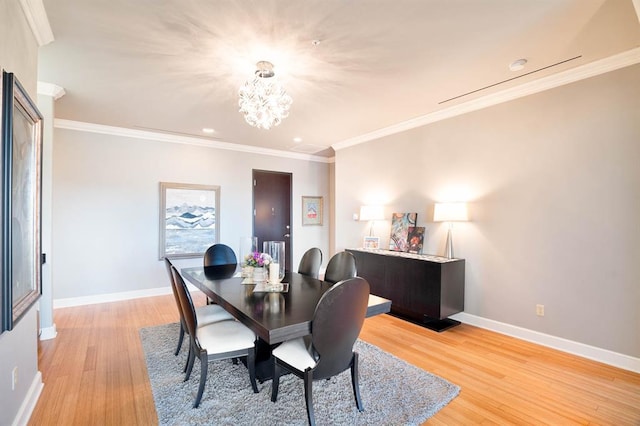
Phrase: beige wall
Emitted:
{"points": [[18, 348], [18, 47], [106, 198], [553, 182]]}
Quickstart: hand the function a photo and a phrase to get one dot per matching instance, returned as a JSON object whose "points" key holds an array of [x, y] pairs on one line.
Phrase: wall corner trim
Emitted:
{"points": [[29, 403], [50, 89], [37, 18], [593, 353], [48, 333]]}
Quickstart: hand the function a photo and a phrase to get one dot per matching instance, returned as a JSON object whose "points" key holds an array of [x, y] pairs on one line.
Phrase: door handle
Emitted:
{"points": [[287, 235]]}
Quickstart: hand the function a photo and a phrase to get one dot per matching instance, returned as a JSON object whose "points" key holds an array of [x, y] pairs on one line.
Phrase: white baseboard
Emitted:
{"points": [[48, 332], [29, 403], [113, 297], [586, 351]]}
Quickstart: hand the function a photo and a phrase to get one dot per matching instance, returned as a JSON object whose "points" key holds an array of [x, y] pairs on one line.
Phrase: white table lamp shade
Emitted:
{"points": [[450, 212], [371, 213]]}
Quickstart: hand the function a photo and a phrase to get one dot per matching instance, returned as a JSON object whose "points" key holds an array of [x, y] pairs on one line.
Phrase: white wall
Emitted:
{"points": [[554, 185], [18, 348], [106, 200]]}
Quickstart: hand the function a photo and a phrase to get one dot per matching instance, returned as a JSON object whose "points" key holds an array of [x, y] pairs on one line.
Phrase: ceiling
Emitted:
{"points": [[175, 66]]}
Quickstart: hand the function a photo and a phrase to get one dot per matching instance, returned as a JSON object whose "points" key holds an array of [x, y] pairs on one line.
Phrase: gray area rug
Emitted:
{"points": [[393, 391]]}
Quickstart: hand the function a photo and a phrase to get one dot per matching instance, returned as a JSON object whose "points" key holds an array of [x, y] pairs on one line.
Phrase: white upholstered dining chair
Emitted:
{"points": [[328, 351], [217, 341], [206, 314]]}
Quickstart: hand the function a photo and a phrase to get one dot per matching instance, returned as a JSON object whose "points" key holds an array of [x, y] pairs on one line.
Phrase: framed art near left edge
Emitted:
{"points": [[21, 252]]}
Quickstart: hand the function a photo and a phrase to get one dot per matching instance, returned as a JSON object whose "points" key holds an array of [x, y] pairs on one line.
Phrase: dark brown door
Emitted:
{"points": [[272, 209]]}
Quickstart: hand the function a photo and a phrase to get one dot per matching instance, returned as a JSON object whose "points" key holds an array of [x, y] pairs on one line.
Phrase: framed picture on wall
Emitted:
{"points": [[21, 251], [311, 210], [189, 219]]}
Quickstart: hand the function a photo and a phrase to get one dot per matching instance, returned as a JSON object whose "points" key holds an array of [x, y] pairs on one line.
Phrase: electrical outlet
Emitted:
{"points": [[540, 310], [14, 378]]}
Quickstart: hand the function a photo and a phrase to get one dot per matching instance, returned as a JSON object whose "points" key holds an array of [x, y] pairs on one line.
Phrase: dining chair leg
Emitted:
{"points": [[275, 382], [204, 367], [190, 362], [355, 381], [308, 396], [186, 364], [180, 339]]}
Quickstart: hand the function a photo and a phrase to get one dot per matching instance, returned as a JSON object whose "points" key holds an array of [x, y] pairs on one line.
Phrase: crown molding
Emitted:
{"points": [[37, 18], [187, 140], [612, 63], [50, 89]]}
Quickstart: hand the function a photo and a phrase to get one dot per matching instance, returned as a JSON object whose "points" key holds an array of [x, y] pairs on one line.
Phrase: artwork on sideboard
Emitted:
{"points": [[400, 223], [189, 219], [415, 239], [371, 242], [21, 250]]}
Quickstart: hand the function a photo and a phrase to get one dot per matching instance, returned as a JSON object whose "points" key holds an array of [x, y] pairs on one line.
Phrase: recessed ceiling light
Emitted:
{"points": [[207, 130], [517, 65], [297, 139]]}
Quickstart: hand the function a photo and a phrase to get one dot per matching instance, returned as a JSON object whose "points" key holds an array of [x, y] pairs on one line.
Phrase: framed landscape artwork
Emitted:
{"points": [[189, 219], [311, 210], [21, 251], [400, 223]]}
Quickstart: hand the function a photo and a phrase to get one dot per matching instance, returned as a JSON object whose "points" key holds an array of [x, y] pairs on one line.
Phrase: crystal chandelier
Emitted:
{"points": [[263, 101]]}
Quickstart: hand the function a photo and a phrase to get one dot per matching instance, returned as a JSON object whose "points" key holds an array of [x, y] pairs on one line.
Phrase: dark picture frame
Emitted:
{"points": [[189, 219], [21, 253], [415, 239]]}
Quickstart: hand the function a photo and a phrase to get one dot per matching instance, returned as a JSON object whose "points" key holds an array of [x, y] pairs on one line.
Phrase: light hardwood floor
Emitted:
{"points": [[94, 372]]}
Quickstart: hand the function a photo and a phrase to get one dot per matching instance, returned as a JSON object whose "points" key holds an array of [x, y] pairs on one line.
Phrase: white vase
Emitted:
{"points": [[275, 249]]}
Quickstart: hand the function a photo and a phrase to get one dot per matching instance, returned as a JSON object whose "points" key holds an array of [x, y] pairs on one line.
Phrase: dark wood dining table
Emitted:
{"points": [[273, 316]]}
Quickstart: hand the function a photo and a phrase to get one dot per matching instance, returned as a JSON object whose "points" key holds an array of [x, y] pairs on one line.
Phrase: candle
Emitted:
{"points": [[274, 270]]}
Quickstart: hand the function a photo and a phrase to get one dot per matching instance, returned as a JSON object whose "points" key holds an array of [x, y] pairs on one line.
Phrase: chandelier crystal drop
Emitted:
{"points": [[263, 100]]}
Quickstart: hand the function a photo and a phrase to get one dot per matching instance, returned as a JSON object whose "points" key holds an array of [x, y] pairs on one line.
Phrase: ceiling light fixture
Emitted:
{"points": [[517, 65], [207, 130], [263, 101]]}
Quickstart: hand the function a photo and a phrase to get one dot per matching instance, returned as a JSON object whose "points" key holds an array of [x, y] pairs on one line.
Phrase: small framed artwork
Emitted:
{"points": [[415, 239], [189, 219], [311, 210], [371, 243], [21, 250]]}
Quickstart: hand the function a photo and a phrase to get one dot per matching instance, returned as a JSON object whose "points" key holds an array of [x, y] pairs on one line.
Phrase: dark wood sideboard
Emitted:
{"points": [[423, 289]]}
